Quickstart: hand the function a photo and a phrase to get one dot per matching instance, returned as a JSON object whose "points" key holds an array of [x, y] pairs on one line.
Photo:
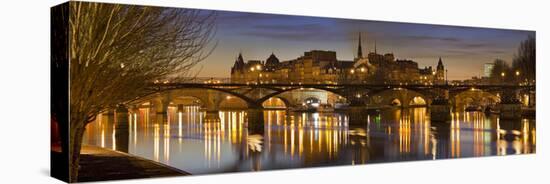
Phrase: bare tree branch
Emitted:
{"points": [[116, 50]]}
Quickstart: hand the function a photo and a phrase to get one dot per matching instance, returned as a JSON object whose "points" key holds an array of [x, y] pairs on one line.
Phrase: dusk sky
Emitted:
{"points": [[463, 50]]}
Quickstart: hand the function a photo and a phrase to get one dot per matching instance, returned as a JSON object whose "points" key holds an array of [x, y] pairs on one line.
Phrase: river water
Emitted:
{"points": [[200, 142]]}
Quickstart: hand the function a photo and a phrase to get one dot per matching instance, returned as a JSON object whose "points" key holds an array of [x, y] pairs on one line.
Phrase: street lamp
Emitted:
{"points": [[517, 76], [259, 68]]}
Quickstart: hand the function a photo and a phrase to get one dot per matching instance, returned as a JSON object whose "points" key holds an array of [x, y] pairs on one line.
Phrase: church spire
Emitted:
{"points": [[440, 65], [239, 62], [359, 49], [240, 58]]}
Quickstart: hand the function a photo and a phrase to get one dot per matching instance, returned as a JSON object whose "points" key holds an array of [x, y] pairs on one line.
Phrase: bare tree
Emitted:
{"points": [[525, 59], [116, 50], [500, 72]]}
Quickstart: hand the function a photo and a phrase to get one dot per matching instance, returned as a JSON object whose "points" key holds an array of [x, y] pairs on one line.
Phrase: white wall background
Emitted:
{"points": [[24, 88]]}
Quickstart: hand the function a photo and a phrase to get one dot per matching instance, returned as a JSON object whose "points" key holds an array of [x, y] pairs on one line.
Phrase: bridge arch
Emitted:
{"points": [[222, 92], [219, 96], [276, 103], [474, 97], [330, 97], [208, 98], [188, 100], [231, 102], [400, 97], [417, 101], [396, 102]]}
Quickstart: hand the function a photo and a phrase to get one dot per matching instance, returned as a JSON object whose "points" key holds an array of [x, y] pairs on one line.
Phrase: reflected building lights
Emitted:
{"points": [[304, 138], [166, 145], [180, 127], [134, 130], [156, 142], [113, 142], [102, 137], [455, 137]]}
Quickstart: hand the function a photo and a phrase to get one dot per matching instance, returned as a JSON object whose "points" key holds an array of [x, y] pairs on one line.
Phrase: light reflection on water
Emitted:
{"points": [[200, 142]]}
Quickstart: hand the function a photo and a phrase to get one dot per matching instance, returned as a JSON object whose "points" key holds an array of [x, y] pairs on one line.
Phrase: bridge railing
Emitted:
{"points": [[227, 81], [221, 84]]}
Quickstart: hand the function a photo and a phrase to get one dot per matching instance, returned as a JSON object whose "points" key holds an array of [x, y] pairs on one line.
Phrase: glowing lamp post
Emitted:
{"points": [[517, 76], [259, 69]]}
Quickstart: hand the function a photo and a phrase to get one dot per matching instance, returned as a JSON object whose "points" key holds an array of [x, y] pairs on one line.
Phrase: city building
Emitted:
{"points": [[487, 68], [440, 72], [323, 67]]}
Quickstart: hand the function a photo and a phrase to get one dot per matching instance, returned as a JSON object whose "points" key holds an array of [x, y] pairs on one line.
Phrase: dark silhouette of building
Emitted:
{"points": [[323, 67]]}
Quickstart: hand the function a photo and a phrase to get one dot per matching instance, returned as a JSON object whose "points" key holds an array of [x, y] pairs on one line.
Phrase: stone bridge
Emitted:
{"points": [[213, 97]]}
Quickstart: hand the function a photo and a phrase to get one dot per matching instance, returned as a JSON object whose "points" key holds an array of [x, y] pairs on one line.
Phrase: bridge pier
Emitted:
{"points": [[121, 129], [255, 120], [510, 111], [180, 107], [440, 110], [357, 115], [161, 107], [212, 111], [133, 109], [510, 106], [211, 116]]}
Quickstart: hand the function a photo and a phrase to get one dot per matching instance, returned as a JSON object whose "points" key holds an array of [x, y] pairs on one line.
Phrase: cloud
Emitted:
{"points": [[475, 45], [498, 51], [432, 38], [281, 35], [455, 51], [231, 17], [308, 27], [267, 32], [294, 31], [452, 45]]}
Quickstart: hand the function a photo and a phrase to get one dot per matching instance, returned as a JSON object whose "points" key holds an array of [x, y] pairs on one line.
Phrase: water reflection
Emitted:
{"points": [[200, 142]]}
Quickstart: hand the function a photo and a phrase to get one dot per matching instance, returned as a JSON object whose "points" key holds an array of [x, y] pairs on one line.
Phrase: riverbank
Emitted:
{"points": [[98, 164]]}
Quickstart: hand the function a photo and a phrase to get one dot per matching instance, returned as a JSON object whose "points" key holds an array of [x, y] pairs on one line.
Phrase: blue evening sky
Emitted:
{"points": [[463, 50]]}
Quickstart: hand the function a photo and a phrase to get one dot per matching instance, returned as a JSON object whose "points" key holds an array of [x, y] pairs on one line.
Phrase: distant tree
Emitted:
{"points": [[116, 50], [524, 60], [501, 71]]}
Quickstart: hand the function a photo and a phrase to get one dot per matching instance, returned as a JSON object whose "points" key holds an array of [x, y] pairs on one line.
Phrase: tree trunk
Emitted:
{"points": [[76, 134]]}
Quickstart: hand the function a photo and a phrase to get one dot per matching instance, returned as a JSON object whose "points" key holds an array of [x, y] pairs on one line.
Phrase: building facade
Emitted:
{"points": [[323, 67], [487, 69]]}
